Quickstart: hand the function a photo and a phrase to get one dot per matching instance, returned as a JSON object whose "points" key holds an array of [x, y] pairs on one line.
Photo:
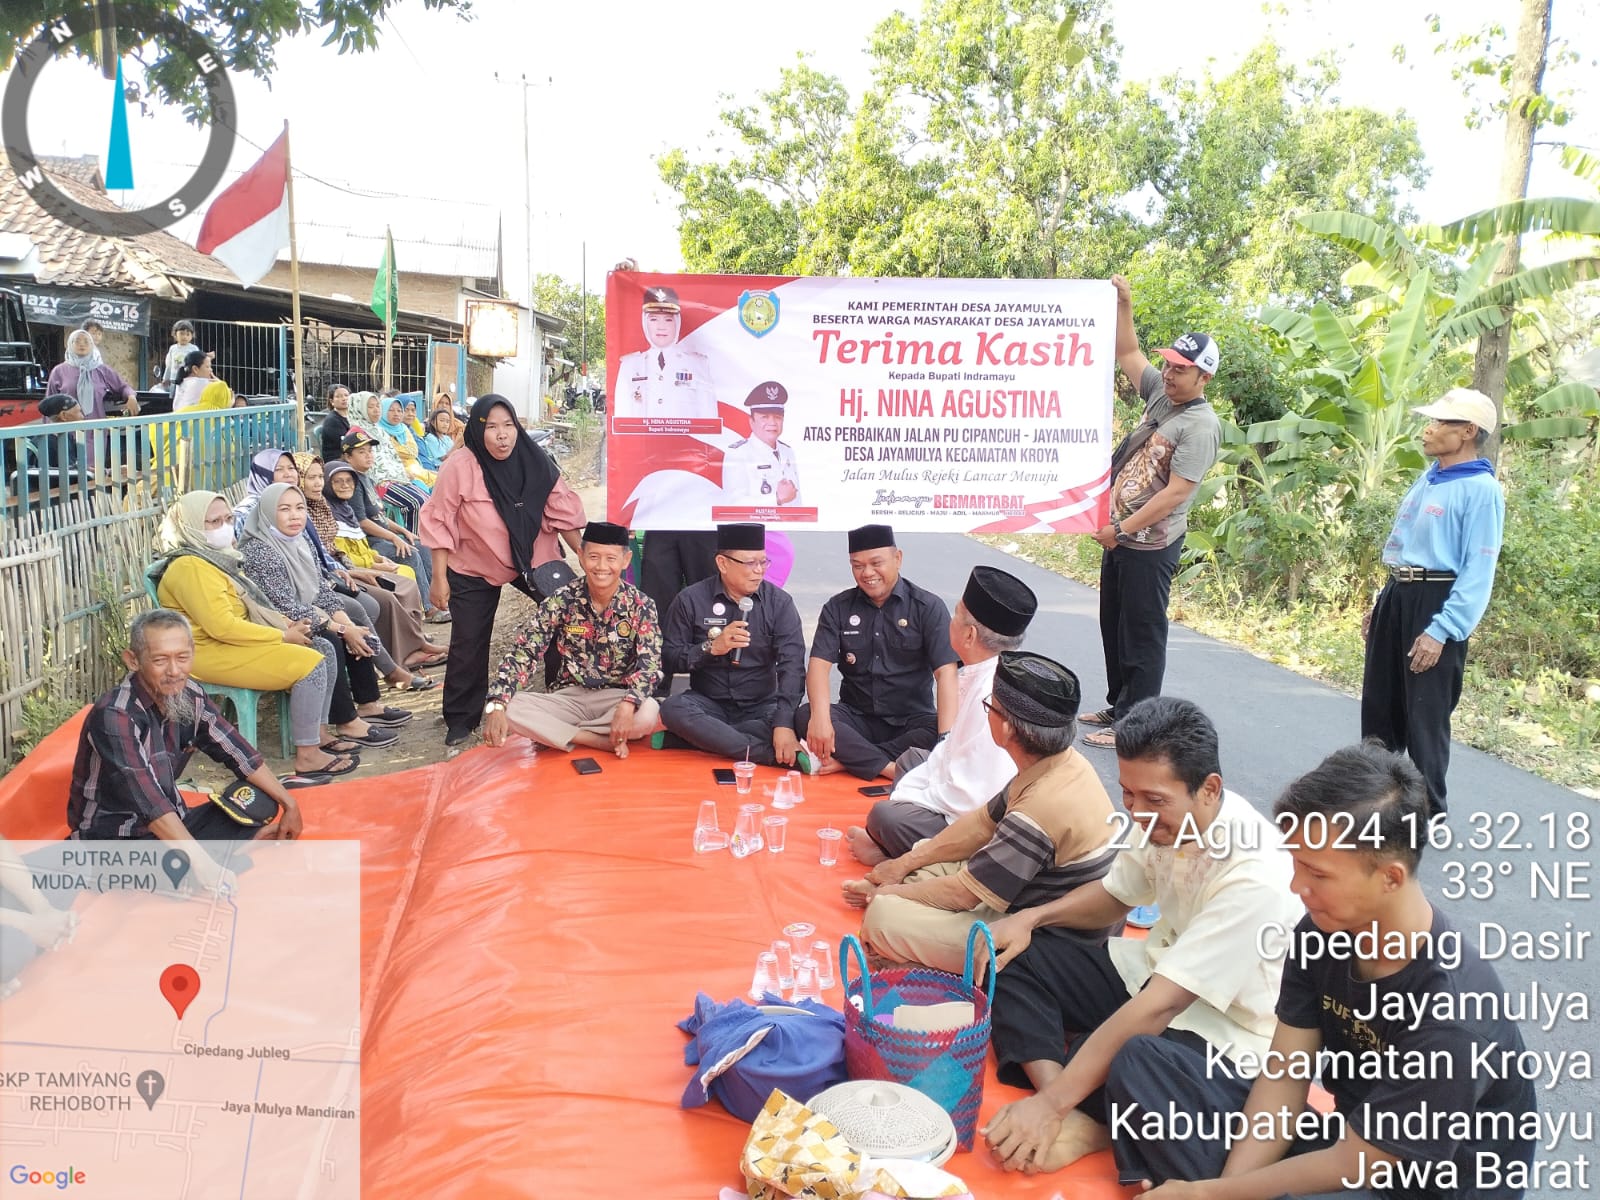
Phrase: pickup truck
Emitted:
{"points": [[22, 379]]}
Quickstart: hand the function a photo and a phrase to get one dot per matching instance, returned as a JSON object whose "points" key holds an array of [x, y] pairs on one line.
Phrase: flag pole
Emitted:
{"points": [[391, 303], [294, 301]]}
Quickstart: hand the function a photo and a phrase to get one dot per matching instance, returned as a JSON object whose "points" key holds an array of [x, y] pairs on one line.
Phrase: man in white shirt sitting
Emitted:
{"points": [[967, 769]]}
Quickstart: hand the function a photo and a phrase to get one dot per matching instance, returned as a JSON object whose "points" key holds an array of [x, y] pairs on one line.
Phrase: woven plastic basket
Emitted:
{"points": [[946, 1066]]}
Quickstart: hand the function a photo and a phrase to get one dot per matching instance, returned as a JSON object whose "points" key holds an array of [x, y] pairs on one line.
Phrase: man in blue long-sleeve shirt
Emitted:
{"points": [[1441, 558]]}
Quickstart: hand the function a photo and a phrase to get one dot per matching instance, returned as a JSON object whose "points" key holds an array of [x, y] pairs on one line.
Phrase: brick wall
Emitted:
{"points": [[436, 295]]}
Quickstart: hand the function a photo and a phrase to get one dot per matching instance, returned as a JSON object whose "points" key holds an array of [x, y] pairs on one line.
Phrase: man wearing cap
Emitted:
{"points": [[964, 770], [387, 537], [609, 645], [759, 470], [60, 450], [1154, 474], [666, 380], [890, 640], [1441, 556], [740, 640], [1045, 833]]}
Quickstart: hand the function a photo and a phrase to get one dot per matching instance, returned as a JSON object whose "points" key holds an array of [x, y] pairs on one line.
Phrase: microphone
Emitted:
{"points": [[745, 605]]}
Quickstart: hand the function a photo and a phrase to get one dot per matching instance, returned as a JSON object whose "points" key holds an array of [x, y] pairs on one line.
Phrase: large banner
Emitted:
{"points": [[952, 405], [70, 307]]}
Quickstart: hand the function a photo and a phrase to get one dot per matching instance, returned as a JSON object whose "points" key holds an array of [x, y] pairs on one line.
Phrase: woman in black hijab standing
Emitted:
{"points": [[496, 513]]}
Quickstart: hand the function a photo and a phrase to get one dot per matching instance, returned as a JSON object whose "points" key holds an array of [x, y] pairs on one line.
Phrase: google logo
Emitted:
{"points": [[56, 1179]]}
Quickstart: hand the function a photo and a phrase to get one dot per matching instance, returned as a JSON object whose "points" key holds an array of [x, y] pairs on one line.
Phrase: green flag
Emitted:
{"points": [[386, 287]]}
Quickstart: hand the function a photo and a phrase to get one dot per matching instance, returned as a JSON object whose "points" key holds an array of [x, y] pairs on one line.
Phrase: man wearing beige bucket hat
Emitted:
{"points": [[1440, 559]]}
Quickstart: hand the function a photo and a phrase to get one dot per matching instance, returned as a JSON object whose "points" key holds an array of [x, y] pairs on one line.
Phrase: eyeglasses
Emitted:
{"points": [[753, 564], [994, 710]]}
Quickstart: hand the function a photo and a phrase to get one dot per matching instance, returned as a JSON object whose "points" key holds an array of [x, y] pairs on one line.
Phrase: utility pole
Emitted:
{"points": [[523, 82], [583, 323]]}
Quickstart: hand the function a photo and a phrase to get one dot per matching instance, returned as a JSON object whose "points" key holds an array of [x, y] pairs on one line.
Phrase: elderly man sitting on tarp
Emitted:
{"points": [[1045, 833]]}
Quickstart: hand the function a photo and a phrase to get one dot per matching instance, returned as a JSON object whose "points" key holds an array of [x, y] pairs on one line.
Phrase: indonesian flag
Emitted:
{"points": [[248, 223]]}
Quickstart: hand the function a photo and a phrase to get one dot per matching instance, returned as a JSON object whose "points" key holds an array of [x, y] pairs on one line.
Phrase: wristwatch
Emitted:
{"points": [[1116, 528], [494, 706]]}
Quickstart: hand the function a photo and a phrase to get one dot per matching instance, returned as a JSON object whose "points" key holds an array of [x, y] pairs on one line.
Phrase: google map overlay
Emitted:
{"points": [[181, 1040]]}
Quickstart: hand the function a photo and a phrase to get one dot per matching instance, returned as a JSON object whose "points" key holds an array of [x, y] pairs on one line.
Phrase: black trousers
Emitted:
{"points": [[1169, 1074], [722, 727], [898, 825], [473, 604], [673, 559], [866, 744], [1134, 587], [355, 681], [1407, 711], [1062, 986]]}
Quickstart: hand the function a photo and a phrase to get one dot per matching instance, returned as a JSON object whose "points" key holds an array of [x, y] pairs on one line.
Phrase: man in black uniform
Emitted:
{"points": [[740, 640], [890, 639]]}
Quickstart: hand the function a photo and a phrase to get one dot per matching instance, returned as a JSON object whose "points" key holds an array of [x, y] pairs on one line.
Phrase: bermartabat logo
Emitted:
{"points": [[78, 28]]}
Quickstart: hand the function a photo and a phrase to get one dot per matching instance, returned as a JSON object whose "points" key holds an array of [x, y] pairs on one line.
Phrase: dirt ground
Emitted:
{"points": [[422, 738]]}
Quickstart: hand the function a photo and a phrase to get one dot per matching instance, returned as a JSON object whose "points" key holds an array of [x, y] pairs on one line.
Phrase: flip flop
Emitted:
{"points": [[419, 683], [440, 616], [1105, 739], [349, 763], [338, 746], [1106, 716], [303, 779]]}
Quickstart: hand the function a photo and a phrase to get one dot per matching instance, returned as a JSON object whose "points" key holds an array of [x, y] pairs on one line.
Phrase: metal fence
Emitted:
{"points": [[354, 357], [253, 359], [82, 502]]}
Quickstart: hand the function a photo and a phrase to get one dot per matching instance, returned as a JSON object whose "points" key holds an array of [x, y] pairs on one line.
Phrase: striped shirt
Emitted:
{"points": [[130, 757], [1052, 829]]}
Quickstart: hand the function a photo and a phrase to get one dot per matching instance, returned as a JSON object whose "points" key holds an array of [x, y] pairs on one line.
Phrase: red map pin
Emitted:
{"points": [[180, 984]]}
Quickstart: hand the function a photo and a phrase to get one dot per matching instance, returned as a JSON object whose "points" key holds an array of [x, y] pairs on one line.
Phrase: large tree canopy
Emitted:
{"points": [[996, 139]]}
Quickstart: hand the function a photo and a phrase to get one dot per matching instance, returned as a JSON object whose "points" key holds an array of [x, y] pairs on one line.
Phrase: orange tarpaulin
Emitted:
{"points": [[530, 938]]}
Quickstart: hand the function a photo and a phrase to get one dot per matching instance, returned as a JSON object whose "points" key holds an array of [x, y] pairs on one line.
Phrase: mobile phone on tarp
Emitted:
{"points": [[585, 766], [876, 789], [723, 775]]}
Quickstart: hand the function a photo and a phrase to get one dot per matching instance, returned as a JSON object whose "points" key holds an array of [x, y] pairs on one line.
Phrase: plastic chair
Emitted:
{"points": [[243, 700]]}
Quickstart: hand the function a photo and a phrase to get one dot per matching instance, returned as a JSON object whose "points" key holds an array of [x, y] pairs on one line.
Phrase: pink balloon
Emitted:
{"points": [[781, 551]]}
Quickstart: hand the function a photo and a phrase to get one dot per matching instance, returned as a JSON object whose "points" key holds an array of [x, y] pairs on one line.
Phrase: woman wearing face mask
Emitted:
{"points": [[280, 561], [239, 640], [497, 513]]}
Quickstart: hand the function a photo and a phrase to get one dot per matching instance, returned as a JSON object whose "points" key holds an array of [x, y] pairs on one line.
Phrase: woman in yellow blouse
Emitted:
{"points": [[201, 580]]}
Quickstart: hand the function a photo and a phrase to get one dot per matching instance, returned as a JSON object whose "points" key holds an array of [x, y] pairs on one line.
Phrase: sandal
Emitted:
{"points": [[338, 746], [440, 616], [1104, 739], [419, 683], [1106, 716], [342, 764], [432, 660]]}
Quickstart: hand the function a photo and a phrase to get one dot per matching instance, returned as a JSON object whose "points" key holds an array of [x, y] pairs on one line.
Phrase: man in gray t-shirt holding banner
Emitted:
{"points": [[1154, 474]]}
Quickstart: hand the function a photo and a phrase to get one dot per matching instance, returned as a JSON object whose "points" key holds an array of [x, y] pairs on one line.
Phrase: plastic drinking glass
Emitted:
{"points": [[822, 952], [806, 986], [830, 839], [774, 832], [784, 972], [747, 833], [799, 934], [783, 793], [766, 976], [797, 786], [708, 834], [744, 774]]}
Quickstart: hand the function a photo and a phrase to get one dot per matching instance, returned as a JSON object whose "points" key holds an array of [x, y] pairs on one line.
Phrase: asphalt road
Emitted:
{"points": [[1274, 725]]}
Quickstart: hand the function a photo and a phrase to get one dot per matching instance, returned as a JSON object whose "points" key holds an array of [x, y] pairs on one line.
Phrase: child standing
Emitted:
{"points": [[183, 342]]}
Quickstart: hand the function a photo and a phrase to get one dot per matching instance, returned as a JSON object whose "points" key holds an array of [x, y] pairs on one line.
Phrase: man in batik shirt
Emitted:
{"points": [[609, 641]]}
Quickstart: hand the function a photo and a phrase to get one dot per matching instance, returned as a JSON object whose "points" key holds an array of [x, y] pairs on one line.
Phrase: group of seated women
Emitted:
{"points": [[285, 594]]}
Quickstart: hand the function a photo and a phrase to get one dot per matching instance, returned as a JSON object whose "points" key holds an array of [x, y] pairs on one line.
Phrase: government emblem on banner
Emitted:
{"points": [[758, 312]]}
